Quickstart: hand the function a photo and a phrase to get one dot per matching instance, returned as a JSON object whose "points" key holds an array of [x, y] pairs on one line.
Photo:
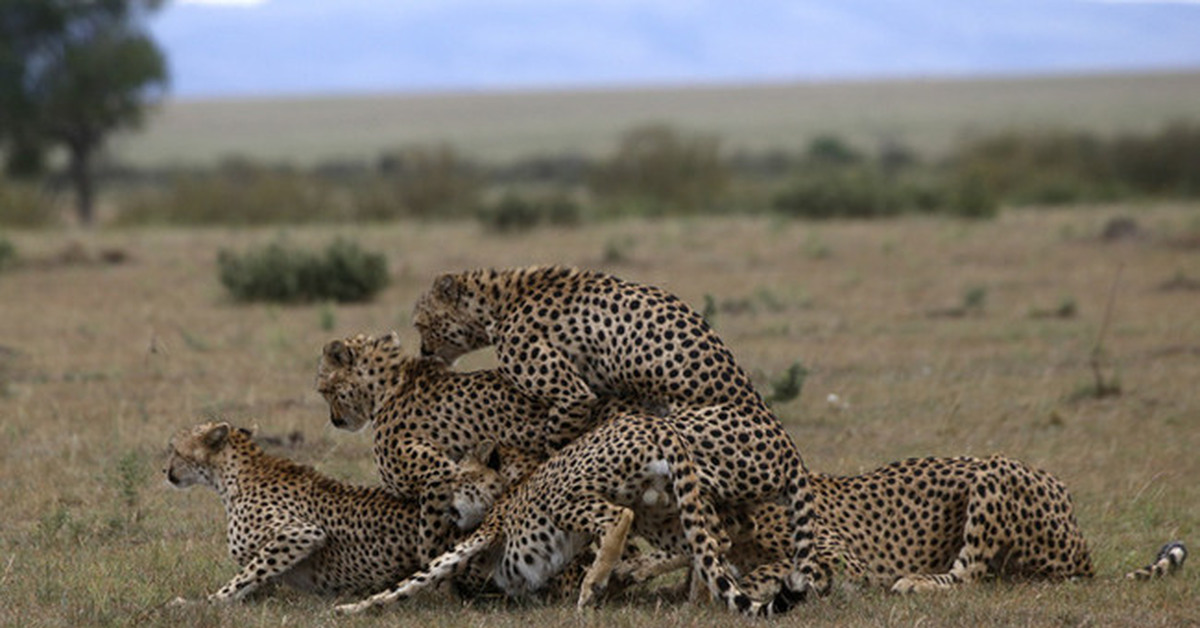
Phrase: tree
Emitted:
{"points": [[71, 73]]}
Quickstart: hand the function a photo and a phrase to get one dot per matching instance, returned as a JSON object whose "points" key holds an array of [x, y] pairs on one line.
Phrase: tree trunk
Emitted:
{"points": [[80, 169]]}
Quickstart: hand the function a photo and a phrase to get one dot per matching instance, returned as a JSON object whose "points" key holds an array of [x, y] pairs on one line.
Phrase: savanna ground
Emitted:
{"points": [[100, 364]]}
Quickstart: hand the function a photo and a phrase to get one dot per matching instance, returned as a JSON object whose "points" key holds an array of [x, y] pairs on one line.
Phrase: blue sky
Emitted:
{"points": [[219, 48]]}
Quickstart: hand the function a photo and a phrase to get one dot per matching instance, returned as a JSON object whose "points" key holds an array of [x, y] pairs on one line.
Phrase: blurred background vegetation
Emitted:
{"points": [[655, 170]]}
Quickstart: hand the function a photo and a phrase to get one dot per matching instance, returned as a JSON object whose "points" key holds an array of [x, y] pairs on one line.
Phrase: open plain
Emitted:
{"points": [[921, 336]]}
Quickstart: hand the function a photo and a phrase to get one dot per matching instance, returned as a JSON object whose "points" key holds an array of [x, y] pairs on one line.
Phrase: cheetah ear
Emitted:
{"points": [[447, 288], [215, 437], [338, 353], [392, 338]]}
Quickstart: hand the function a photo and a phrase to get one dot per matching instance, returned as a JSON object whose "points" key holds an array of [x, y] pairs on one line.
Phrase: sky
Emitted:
{"points": [[238, 48]]}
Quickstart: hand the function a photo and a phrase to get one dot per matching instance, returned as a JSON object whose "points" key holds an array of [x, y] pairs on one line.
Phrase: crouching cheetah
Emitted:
{"points": [[425, 416], [934, 523], [567, 337], [632, 474], [286, 522]]}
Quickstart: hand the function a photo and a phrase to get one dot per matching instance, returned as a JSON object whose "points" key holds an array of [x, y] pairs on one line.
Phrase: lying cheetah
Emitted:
{"points": [[286, 522], [568, 336], [632, 474], [934, 523]]}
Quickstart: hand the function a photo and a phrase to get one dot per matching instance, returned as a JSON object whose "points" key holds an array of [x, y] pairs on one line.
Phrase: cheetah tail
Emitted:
{"points": [[439, 570], [1169, 560], [700, 526]]}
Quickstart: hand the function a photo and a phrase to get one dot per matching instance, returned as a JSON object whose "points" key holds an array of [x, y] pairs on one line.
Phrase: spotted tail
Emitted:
{"points": [[700, 525], [1169, 560]]}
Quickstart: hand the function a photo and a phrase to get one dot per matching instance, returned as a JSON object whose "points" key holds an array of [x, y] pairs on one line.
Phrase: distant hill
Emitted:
{"points": [[927, 115]]}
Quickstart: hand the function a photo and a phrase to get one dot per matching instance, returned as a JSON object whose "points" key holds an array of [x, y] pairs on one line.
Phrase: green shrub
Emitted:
{"points": [[239, 193], [1167, 163], [281, 273], [515, 212], [24, 205], [788, 385], [432, 181], [676, 172], [830, 150], [8, 253], [840, 194]]}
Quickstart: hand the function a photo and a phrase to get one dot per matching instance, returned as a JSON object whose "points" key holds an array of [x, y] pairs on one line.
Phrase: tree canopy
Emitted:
{"points": [[71, 73]]}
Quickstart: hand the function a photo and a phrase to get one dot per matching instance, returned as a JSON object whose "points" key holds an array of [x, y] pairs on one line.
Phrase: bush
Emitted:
{"points": [[432, 181], [238, 193], [1167, 163], [281, 273], [519, 213], [841, 194], [24, 205], [659, 164], [8, 253]]}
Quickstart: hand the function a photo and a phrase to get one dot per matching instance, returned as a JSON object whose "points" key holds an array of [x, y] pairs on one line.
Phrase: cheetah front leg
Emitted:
{"points": [[981, 541], [291, 544], [542, 371]]}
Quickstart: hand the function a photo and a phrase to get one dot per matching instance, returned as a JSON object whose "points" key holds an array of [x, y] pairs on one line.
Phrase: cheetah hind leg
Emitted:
{"points": [[612, 546], [442, 568], [1169, 560], [291, 544]]}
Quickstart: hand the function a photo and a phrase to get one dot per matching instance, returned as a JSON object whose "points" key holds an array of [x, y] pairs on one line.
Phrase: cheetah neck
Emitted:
{"points": [[398, 378]]}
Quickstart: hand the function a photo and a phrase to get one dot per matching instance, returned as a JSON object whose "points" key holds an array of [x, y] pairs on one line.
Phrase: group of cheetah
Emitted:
{"points": [[616, 413]]}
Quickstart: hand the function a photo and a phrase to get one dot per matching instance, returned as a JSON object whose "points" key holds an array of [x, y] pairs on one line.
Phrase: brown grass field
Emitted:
{"points": [[926, 115], [100, 364]]}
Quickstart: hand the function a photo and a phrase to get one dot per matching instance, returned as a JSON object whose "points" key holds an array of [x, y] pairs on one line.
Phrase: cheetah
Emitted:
{"points": [[568, 336], [288, 523], [633, 474], [424, 416], [927, 524]]}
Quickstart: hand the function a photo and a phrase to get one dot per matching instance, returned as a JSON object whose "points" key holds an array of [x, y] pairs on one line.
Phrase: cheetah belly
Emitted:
{"points": [[304, 578], [532, 559]]}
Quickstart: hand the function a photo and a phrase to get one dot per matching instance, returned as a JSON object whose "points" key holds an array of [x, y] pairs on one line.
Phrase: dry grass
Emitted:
{"points": [[99, 364], [926, 115]]}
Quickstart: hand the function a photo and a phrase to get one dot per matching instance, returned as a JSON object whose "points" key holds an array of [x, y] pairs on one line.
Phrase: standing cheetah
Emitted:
{"points": [[632, 474], [566, 336]]}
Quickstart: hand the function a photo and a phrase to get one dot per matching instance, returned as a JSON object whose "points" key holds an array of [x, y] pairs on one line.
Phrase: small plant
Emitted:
{"points": [[815, 248], [1104, 386], [789, 385], [616, 250], [974, 299], [328, 317], [1066, 309], [709, 313], [128, 478], [284, 274], [131, 474]]}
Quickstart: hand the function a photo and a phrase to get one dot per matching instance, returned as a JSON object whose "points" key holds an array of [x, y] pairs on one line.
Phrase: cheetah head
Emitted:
{"points": [[451, 318], [479, 482], [351, 372], [195, 454]]}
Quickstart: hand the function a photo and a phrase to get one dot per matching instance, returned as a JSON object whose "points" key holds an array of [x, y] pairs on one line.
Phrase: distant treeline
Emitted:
{"points": [[659, 170]]}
